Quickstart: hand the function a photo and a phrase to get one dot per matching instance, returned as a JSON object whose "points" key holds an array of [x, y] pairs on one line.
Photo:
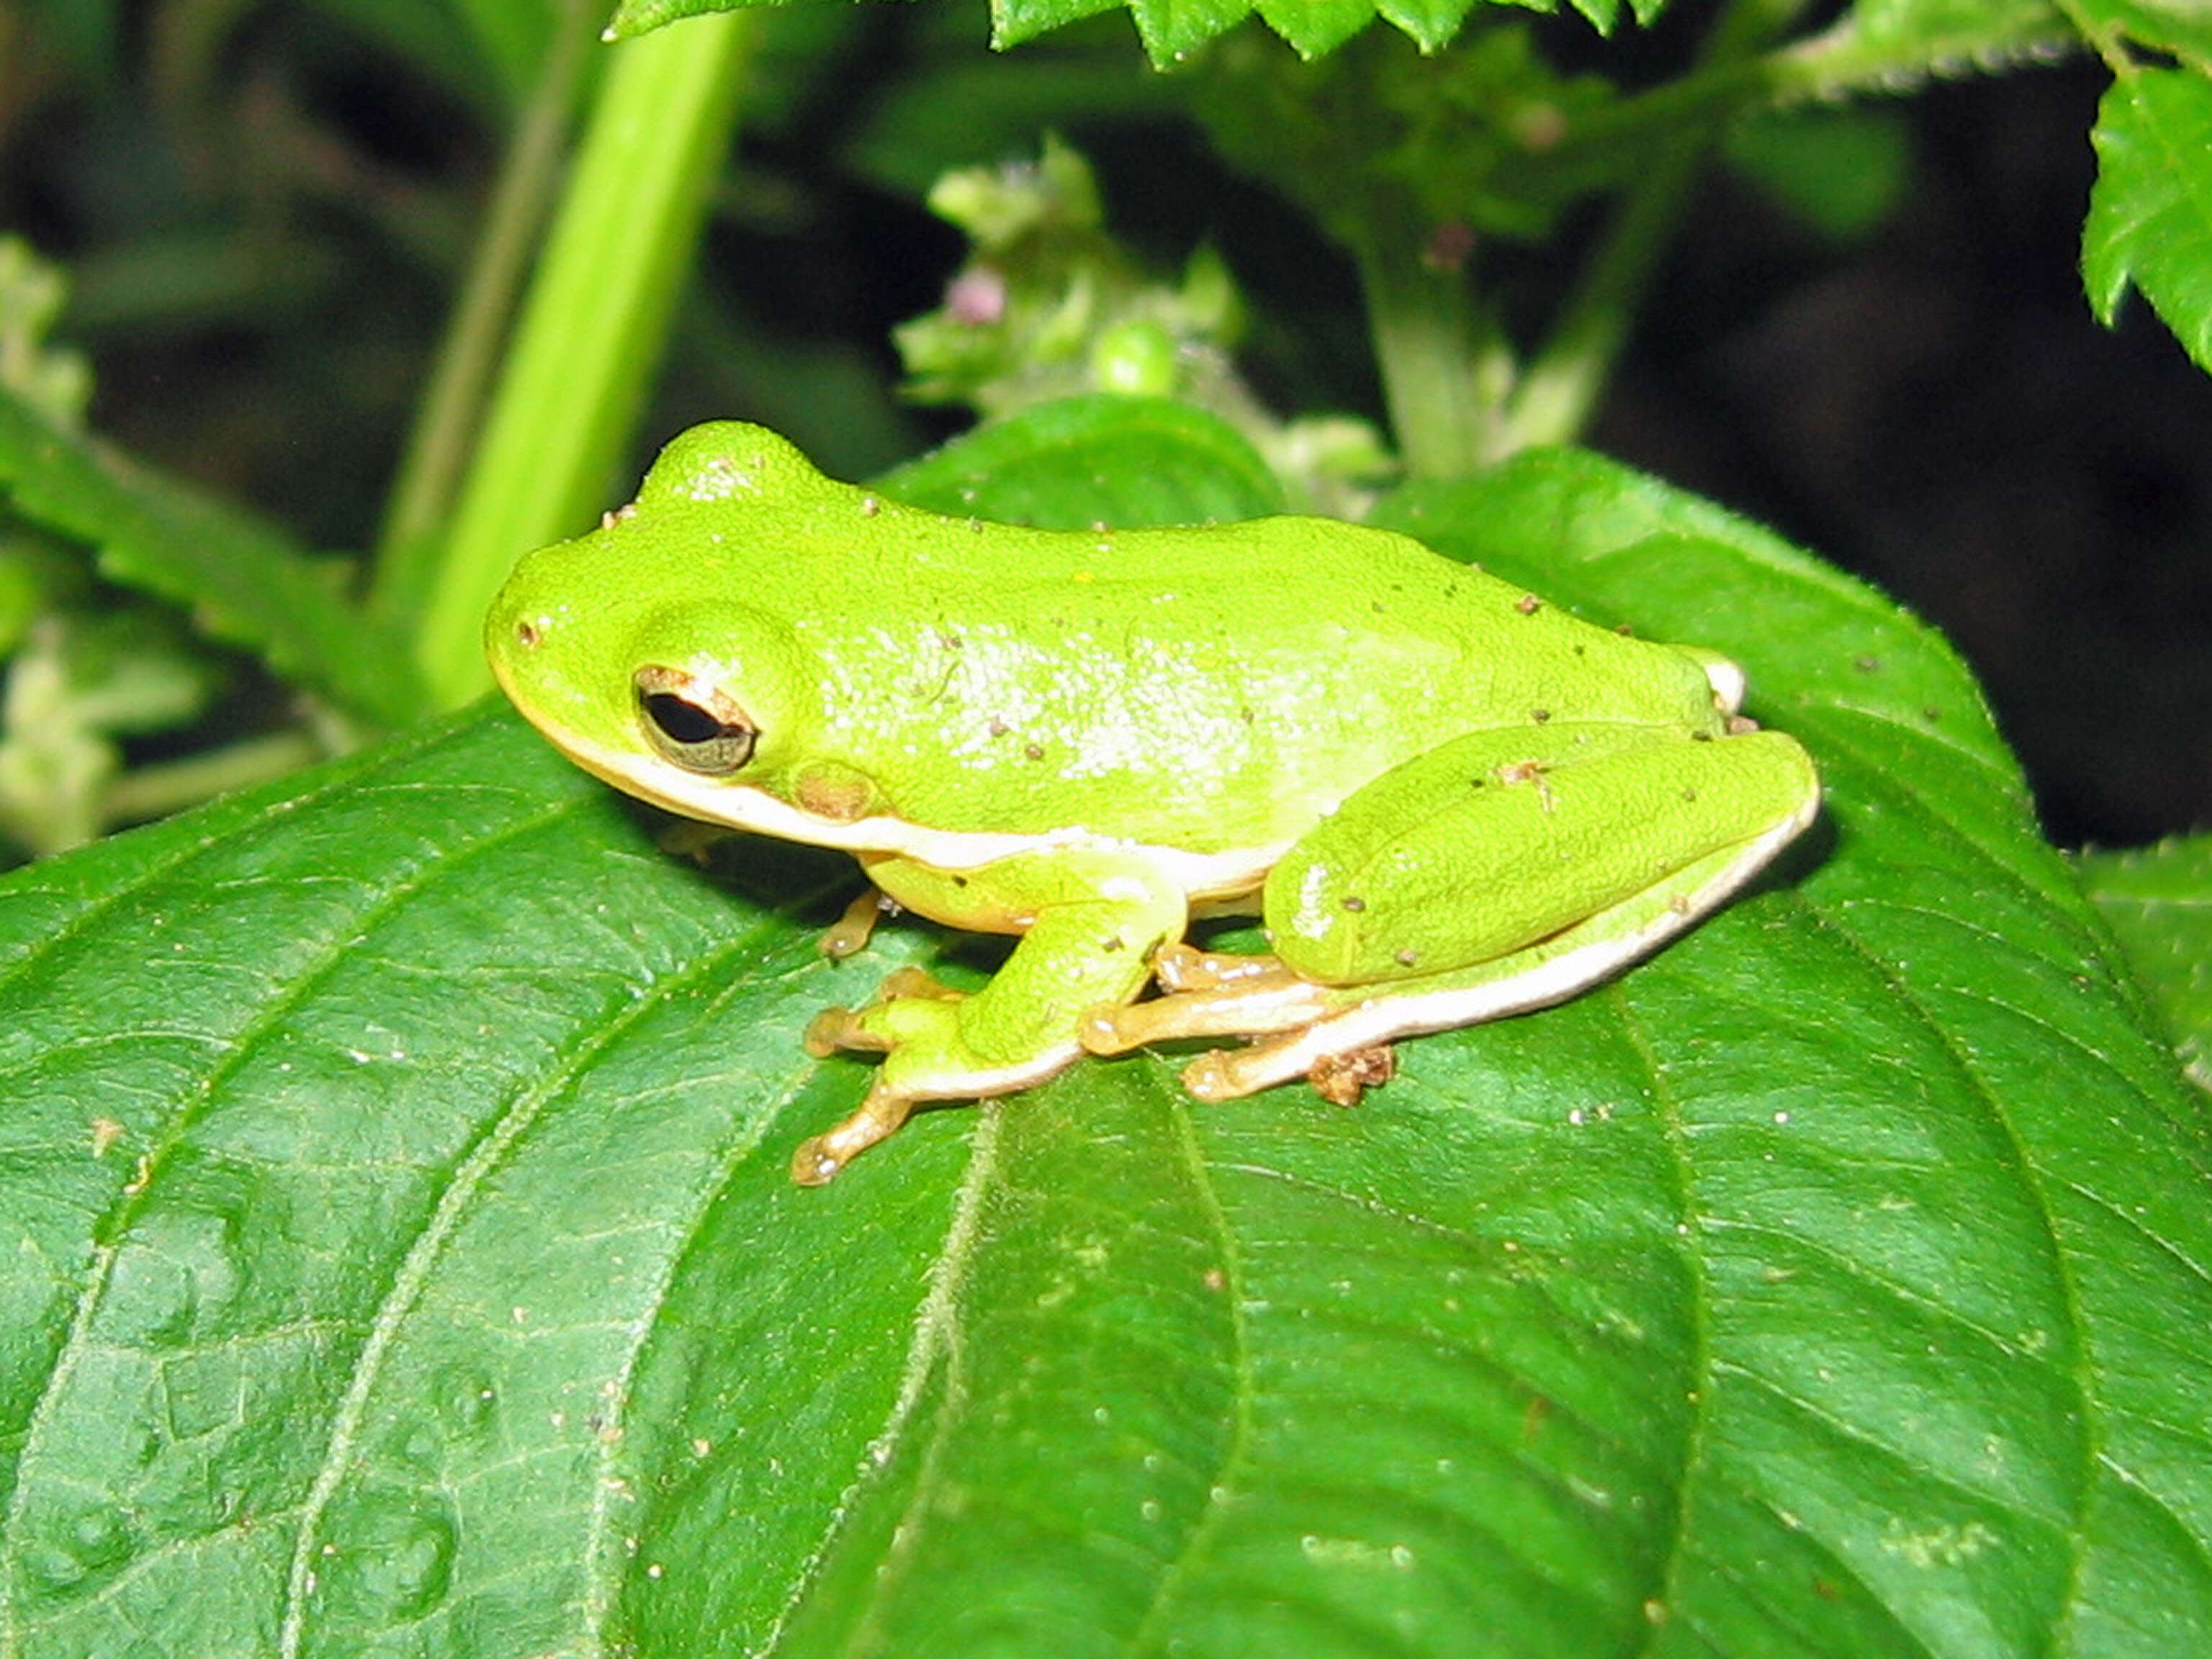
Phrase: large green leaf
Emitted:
{"points": [[405, 1261]]}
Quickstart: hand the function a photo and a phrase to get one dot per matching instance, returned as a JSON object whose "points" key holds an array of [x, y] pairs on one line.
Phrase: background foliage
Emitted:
{"points": [[394, 1151]]}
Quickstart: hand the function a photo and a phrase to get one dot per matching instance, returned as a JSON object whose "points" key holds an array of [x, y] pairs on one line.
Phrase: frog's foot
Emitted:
{"points": [[1266, 997], [1334, 1035], [1089, 922], [1342, 1054], [819, 1157], [937, 1044], [1303, 1028], [1211, 996], [691, 839]]}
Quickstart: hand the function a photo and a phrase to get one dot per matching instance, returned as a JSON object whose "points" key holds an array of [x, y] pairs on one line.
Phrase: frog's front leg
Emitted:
{"points": [[1501, 872], [1089, 921]]}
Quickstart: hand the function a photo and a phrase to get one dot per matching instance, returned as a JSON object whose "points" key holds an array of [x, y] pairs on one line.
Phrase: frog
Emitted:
{"points": [[1445, 799]]}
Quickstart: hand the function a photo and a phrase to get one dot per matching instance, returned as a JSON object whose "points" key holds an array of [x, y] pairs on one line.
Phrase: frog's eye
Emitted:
{"points": [[692, 723]]}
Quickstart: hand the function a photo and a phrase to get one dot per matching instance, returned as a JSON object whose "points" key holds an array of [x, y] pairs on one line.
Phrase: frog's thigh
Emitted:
{"points": [[1622, 851], [1498, 841], [1089, 922]]}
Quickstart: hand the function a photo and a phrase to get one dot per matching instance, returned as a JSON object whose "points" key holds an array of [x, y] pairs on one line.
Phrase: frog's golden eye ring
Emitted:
{"points": [[691, 723]]}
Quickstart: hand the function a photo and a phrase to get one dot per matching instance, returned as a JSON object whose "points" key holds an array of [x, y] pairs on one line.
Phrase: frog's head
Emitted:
{"points": [[636, 657], [640, 686]]}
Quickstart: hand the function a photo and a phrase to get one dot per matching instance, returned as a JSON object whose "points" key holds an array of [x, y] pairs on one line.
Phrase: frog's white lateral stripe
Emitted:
{"points": [[1200, 875]]}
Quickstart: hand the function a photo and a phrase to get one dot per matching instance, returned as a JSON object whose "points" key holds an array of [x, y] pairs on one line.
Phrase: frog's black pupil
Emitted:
{"points": [[681, 719]]}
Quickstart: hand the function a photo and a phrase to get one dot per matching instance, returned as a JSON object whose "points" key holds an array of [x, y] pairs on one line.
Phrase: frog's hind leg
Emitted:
{"points": [[1701, 817], [1544, 975]]}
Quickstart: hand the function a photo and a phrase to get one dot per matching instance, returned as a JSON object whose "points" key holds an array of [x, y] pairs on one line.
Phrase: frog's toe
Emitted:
{"points": [[909, 1007], [1180, 968], [904, 982], [1232, 1073], [1341, 1057], [833, 1028], [1102, 1031], [850, 933], [1274, 1001], [819, 1157]]}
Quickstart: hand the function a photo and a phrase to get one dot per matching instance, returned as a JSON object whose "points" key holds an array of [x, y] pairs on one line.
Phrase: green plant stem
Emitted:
{"points": [[1555, 396], [1457, 399], [593, 326], [1427, 338], [444, 430]]}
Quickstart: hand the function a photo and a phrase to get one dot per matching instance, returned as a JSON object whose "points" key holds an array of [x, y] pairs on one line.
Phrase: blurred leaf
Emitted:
{"points": [[2150, 212], [241, 583], [19, 599], [493, 54], [85, 29], [52, 379], [1489, 137], [594, 321], [513, 35], [1839, 171], [82, 678], [1050, 306], [36, 574], [407, 1261], [960, 112], [2159, 902], [133, 670]]}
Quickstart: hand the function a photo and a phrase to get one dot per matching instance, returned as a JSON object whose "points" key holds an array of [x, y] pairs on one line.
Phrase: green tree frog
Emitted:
{"points": [[1447, 800]]}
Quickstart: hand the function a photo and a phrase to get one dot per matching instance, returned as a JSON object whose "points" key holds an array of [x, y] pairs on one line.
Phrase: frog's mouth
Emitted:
{"points": [[738, 805]]}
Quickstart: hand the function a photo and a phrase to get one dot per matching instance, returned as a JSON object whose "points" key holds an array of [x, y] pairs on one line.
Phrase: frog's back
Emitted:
{"points": [[1224, 683], [1340, 609]]}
